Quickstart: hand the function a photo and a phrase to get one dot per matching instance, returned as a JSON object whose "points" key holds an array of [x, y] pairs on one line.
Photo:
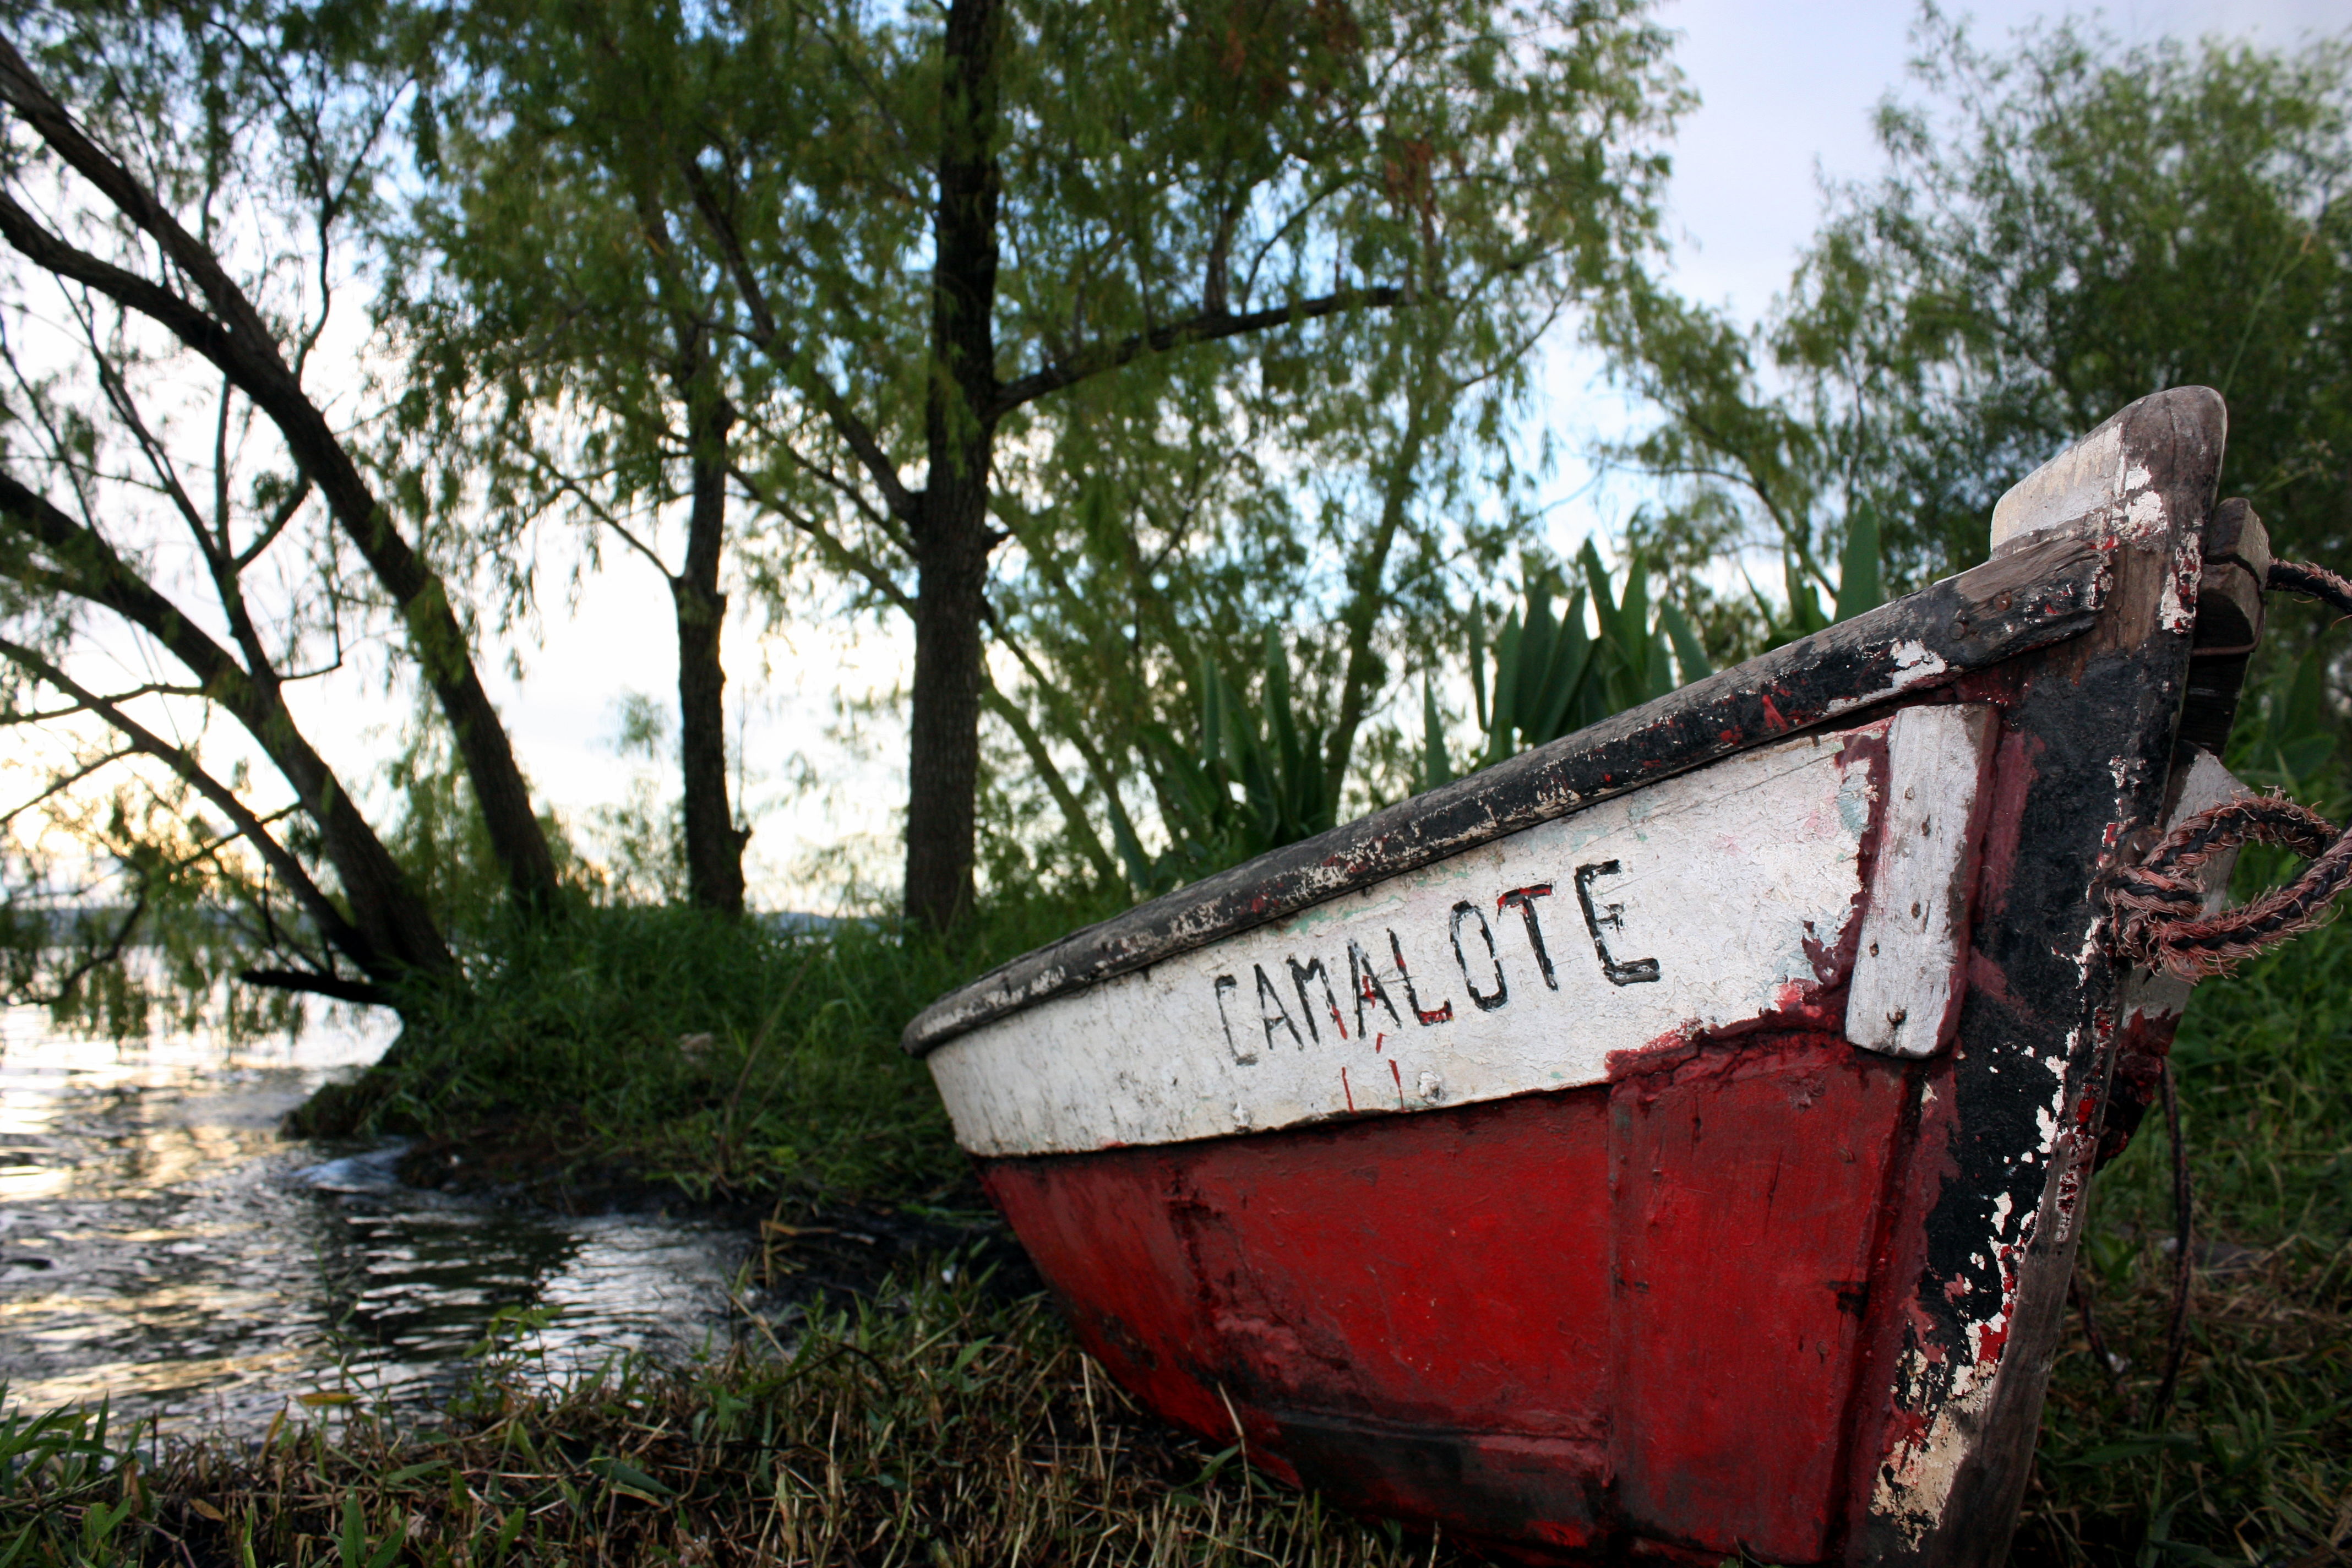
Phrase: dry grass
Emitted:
{"points": [[938, 1426]]}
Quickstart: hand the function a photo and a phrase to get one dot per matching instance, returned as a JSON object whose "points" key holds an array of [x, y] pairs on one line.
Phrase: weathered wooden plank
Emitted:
{"points": [[2008, 1139], [1713, 899], [1717, 900], [1747, 1186], [1905, 995]]}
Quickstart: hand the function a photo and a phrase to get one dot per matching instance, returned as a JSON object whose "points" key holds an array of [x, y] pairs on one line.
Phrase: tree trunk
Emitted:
{"points": [[943, 745], [952, 537], [1367, 595], [714, 844], [395, 930]]}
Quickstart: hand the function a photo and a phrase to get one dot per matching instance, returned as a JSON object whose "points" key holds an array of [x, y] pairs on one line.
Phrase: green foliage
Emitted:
{"points": [[673, 1045], [1203, 407], [1551, 677], [1253, 782], [149, 937], [1799, 613], [69, 1481], [2286, 734], [2064, 224]]}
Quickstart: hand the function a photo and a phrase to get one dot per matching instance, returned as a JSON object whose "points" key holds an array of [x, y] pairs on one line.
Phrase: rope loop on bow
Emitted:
{"points": [[2159, 904]]}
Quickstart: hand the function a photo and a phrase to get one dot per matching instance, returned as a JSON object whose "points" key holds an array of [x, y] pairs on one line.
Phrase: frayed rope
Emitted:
{"points": [[2160, 903]]}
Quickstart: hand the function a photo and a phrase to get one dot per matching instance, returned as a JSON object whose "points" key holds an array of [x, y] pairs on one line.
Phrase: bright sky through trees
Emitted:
{"points": [[1786, 98]]}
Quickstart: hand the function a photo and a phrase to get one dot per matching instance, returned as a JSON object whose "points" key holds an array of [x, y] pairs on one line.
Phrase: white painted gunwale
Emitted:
{"points": [[1735, 898]]}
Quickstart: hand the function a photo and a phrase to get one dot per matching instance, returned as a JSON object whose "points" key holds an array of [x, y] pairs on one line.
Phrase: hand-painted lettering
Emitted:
{"points": [[1265, 993], [1619, 971], [1465, 909], [1442, 1014], [1524, 900], [1227, 982], [1300, 973], [1365, 982]]}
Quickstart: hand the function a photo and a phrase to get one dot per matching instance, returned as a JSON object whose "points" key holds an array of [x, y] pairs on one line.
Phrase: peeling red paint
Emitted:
{"points": [[1255, 1267], [2014, 775]]}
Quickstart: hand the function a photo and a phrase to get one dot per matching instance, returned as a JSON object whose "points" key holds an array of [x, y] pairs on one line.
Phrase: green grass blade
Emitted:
{"points": [[1859, 587], [1688, 654]]}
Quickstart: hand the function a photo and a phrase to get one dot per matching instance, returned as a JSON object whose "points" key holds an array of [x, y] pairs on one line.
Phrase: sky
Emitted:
{"points": [[1786, 93]]}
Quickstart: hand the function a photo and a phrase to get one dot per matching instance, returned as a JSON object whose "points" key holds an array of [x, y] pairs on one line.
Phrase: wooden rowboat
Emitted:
{"points": [[1669, 1140]]}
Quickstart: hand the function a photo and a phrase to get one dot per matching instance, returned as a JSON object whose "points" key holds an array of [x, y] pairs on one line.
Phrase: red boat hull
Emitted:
{"points": [[1669, 1141], [1628, 1309]]}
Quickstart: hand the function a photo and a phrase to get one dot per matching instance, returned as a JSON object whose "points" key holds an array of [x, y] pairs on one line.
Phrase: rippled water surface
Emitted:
{"points": [[161, 1245]]}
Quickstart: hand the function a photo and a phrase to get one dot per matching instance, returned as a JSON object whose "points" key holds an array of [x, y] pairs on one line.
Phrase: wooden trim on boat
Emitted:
{"points": [[1742, 895]]}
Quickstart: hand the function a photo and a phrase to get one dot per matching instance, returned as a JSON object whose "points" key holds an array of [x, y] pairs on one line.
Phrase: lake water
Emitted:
{"points": [[163, 1246]]}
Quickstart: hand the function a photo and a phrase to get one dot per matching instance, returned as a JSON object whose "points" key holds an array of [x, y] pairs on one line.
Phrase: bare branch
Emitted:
{"points": [[779, 347], [276, 856], [333, 986], [1206, 327], [233, 337], [841, 554], [64, 781], [565, 484], [277, 523], [23, 92], [152, 689]]}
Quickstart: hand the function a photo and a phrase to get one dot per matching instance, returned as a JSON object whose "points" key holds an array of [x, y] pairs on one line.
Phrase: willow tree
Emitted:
{"points": [[939, 225], [190, 534], [565, 364]]}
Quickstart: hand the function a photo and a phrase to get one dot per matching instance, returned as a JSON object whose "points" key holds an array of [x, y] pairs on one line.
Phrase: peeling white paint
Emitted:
{"points": [[1906, 995], [1731, 887], [1915, 1484], [2086, 478], [2144, 516], [2092, 482], [2176, 609], [1914, 662]]}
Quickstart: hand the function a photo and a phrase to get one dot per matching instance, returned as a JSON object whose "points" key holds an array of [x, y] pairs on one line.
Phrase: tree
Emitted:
{"points": [[940, 225], [173, 497], [2062, 227], [563, 362]]}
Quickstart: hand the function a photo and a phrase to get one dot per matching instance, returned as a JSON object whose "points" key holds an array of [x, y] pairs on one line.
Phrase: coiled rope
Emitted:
{"points": [[2161, 922], [2160, 903]]}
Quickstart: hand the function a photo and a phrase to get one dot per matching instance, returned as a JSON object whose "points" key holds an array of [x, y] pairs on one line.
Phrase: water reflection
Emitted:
{"points": [[160, 1245]]}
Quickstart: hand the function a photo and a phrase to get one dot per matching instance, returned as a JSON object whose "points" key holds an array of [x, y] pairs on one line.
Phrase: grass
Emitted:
{"points": [[730, 1060], [2253, 1463], [938, 1426]]}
